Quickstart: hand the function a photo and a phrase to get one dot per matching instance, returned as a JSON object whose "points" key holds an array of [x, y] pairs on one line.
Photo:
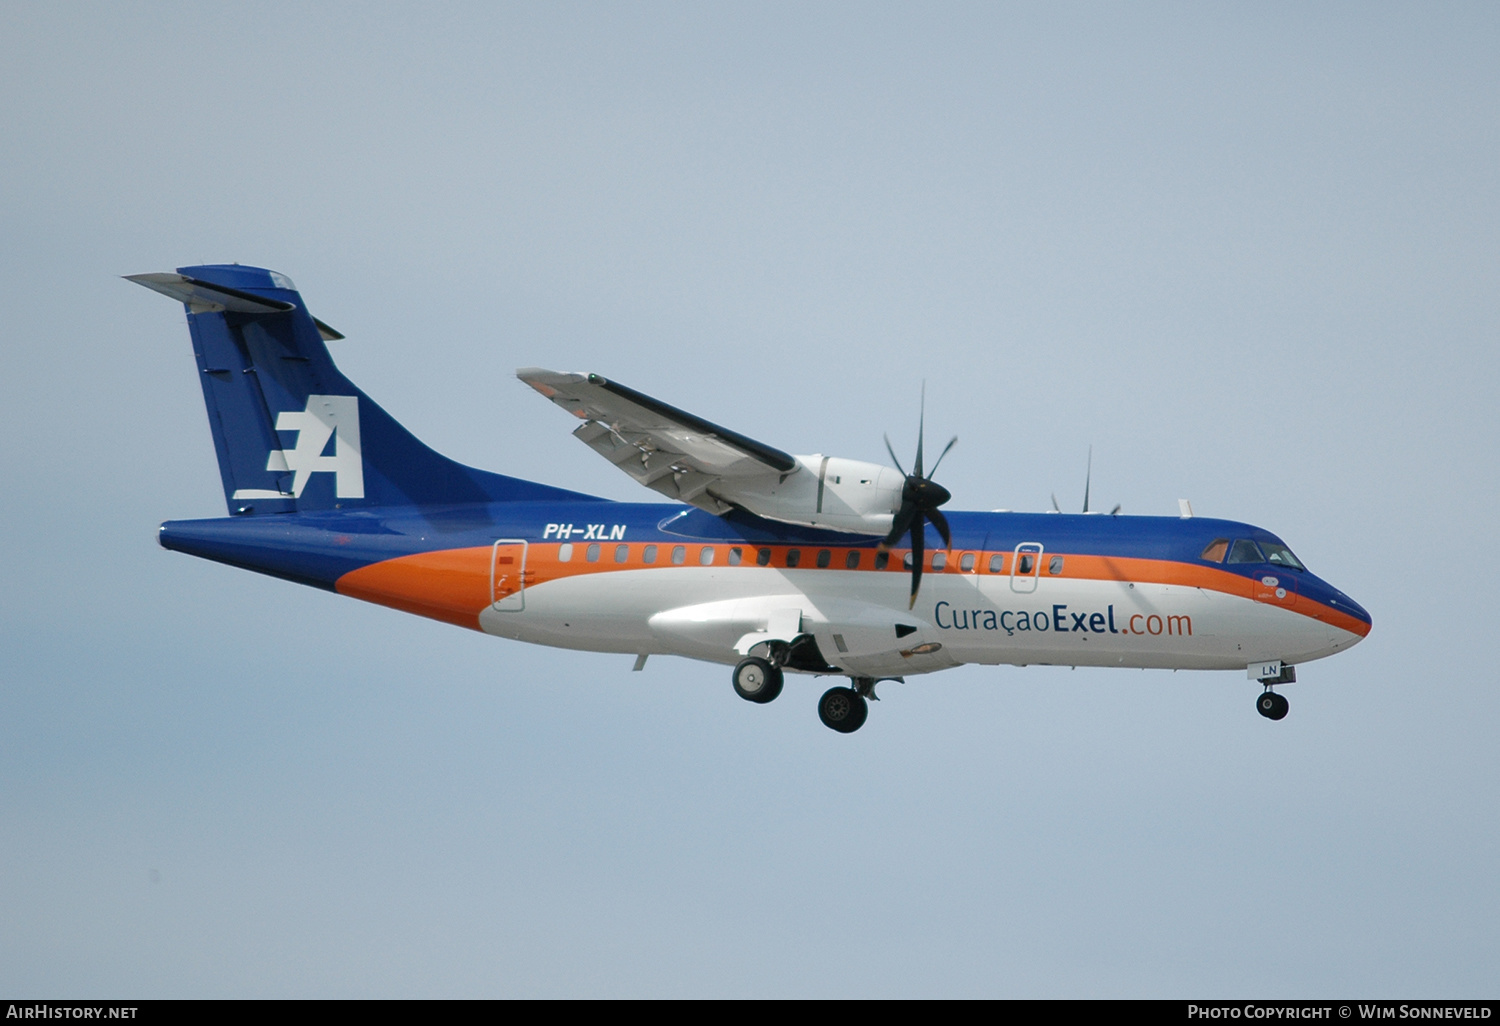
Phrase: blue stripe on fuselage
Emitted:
{"points": [[318, 548]]}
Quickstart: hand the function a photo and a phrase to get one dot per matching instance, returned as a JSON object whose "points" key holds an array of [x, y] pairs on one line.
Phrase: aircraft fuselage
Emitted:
{"points": [[633, 578]]}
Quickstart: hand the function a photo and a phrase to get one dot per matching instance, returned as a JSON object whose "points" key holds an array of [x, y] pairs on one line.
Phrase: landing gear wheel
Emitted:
{"points": [[843, 710], [1272, 706], [756, 680]]}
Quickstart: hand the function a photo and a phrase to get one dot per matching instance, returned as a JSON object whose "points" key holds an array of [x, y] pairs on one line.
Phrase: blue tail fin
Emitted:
{"points": [[291, 432]]}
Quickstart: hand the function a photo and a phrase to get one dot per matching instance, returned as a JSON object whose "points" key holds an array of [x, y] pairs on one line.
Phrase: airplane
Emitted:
{"points": [[769, 562]]}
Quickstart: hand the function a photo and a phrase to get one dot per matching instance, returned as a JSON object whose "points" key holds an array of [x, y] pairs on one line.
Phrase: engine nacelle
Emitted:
{"points": [[828, 492]]}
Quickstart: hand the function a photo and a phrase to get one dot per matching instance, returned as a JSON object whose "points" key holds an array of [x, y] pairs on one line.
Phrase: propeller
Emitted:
{"points": [[920, 499], [1087, 478]]}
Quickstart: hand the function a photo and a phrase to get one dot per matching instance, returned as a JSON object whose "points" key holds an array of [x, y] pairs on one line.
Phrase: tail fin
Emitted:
{"points": [[291, 432]]}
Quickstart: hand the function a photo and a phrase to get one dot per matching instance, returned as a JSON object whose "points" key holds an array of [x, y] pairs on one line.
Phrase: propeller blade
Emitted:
{"points": [[1055, 507], [893, 456], [1087, 477], [918, 554], [946, 449], [904, 517], [1116, 511], [941, 523], [921, 420]]}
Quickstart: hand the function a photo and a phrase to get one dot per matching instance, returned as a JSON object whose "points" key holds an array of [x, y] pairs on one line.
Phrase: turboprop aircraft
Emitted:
{"points": [[767, 561]]}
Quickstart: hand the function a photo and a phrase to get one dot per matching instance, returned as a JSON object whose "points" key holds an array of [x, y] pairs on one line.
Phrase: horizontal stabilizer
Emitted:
{"points": [[206, 297]]}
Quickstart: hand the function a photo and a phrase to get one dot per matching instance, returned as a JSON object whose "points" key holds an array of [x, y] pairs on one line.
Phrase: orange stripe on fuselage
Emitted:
{"points": [[454, 585]]}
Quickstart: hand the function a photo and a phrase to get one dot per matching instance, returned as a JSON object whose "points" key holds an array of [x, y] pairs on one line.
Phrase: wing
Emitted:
{"points": [[682, 456]]}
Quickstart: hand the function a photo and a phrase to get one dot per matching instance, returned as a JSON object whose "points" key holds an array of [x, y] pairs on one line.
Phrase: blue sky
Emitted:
{"points": [[1249, 254]]}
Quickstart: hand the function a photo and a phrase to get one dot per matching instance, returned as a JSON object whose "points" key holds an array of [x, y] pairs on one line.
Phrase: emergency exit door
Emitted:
{"points": [[508, 575]]}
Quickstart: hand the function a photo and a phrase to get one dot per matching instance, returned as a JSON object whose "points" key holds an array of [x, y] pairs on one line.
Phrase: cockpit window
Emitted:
{"points": [[1215, 551], [1245, 551], [1281, 555]]}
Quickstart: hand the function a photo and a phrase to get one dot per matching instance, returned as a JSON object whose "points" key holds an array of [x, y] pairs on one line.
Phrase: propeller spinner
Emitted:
{"points": [[920, 498]]}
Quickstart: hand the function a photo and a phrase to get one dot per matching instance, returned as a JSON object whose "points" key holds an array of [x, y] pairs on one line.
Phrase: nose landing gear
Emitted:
{"points": [[1271, 705]]}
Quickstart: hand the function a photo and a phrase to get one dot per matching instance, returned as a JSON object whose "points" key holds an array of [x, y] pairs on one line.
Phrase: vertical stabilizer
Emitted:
{"points": [[290, 431]]}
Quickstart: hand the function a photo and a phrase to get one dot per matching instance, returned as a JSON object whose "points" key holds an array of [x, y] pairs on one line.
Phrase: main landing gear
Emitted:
{"points": [[843, 709], [759, 680]]}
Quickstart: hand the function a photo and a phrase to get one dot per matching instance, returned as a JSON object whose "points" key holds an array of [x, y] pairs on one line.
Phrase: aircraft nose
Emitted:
{"points": [[1345, 604]]}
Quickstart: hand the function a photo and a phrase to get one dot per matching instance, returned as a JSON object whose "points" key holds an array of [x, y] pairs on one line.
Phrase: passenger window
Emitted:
{"points": [[706, 555], [1026, 563], [592, 553], [735, 555], [648, 554], [939, 560], [824, 558], [1054, 565], [1216, 550], [622, 553], [793, 557], [565, 552], [679, 554], [906, 561], [1245, 551], [882, 560], [852, 560], [997, 563], [966, 562]]}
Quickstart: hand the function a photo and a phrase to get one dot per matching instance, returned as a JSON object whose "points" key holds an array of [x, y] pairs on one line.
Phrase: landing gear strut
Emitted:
{"points": [[1271, 705], [757, 680]]}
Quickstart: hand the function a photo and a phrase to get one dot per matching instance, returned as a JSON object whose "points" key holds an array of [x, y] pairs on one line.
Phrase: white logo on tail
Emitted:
{"points": [[326, 416]]}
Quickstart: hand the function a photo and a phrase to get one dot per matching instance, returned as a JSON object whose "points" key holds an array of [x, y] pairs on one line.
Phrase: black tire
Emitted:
{"points": [[756, 680], [843, 710], [1272, 706]]}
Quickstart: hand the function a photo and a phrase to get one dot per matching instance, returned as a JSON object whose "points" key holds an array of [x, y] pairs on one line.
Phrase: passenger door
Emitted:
{"points": [[1026, 567]]}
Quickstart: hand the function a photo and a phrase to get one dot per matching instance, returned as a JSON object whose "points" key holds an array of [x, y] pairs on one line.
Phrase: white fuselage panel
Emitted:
{"points": [[702, 612]]}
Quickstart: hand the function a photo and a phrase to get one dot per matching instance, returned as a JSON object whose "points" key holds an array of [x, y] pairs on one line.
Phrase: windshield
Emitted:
{"points": [[1245, 551], [1280, 555]]}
